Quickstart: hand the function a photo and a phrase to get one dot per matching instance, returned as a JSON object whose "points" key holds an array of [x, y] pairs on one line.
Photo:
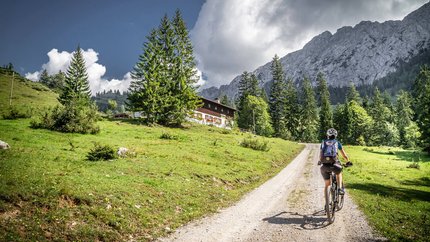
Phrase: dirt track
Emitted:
{"points": [[289, 207]]}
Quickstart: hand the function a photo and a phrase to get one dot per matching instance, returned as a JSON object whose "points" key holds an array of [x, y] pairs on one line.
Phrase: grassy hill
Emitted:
{"points": [[27, 96], [392, 187], [49, 190]]}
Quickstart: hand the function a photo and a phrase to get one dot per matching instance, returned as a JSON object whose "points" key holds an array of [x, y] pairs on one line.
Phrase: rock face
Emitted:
{"points": [[360, 54]]}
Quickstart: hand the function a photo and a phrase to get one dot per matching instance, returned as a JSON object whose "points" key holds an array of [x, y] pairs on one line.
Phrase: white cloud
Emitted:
{"points": [[232, 36], [60, 61]]}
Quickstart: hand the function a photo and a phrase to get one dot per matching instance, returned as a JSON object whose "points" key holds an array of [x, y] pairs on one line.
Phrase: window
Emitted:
{"points": [[216, 108], [209, 105]]}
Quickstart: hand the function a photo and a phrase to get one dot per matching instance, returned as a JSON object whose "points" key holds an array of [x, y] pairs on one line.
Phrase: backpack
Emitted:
{"points": [[329, 151]]}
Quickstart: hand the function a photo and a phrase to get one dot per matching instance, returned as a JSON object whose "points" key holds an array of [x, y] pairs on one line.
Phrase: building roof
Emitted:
{"points": [[215, 102]]}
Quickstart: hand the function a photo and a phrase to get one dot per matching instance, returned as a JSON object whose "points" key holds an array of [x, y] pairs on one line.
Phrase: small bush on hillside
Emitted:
{"points": [[14, 113], [255, 144], [169, 136], [101, 152], [69, 119], [414, 165]]}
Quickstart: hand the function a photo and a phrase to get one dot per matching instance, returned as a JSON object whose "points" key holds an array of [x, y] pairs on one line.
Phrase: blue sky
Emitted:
{"points": [[229, 36], [115, 29]]}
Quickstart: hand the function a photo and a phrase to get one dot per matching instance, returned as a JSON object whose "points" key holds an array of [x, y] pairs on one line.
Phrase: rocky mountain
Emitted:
{"points": [[361, 54]]}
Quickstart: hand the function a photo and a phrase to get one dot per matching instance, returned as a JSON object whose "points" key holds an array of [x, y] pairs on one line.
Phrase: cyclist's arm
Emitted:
{"points": [[345, 156]]}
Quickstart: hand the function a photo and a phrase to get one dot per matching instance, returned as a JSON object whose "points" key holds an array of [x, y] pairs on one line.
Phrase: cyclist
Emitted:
{"points": [[329, 159]]}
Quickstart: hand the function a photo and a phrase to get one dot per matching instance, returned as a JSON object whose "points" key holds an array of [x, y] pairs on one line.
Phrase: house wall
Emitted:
{"points": [[208, 119]]}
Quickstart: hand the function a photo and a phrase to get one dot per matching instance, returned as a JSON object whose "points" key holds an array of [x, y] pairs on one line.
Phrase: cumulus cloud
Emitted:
{"points": [[60, 61], [232, 36]]}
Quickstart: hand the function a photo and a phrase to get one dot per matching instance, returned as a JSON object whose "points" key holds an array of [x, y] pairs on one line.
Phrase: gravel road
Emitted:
{"points": [[288, 207]]}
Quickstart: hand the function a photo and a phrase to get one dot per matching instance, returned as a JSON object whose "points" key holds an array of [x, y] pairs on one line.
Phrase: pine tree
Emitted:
{"points": [[404, 116], [309, 113], [257, 109], [384, 132], [184, 72], [164, 77], [326, 114], [224, 100], [145, 91], [292, 111], [248, 85], [421, 94], [45, 78], [352, 94], [76, 86], [277, 98]]}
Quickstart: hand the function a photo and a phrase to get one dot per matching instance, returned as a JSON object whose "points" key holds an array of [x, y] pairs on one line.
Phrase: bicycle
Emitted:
{"points": [[334, 200]]}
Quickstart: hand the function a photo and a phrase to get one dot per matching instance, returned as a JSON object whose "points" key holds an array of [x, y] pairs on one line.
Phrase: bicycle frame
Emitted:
{"points": [[334, 201]]}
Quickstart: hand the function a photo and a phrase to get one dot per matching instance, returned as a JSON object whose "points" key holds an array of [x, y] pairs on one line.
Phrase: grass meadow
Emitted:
{"points": [[50, 191], [392, 187]]}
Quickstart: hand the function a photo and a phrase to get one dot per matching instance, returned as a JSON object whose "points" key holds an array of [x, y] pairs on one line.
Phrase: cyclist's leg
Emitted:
{"points": [[325, 172], [337, 168]]}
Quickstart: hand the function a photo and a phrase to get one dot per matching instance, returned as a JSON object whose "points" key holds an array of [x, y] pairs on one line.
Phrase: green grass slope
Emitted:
{"points": [[392, 192], [27, 96], [50, 191]]}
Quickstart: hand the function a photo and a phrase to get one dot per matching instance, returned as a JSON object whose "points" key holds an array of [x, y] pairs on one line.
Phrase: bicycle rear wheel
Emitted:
{"points": [[341, 200], [330, 206]]}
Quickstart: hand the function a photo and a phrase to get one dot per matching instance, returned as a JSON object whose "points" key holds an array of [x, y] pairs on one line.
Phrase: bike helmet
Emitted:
{"points": [[331, 132]]}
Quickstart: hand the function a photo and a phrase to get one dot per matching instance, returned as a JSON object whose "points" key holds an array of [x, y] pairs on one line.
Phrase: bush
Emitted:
{"points": [[101, 152], [169, 136], [69, 119], [14, 113], [255, 144]]}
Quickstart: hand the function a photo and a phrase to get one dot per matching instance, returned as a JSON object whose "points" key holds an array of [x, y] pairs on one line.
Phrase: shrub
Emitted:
{"points": [[414, 165], [14, 113], [255, 144], [169, 136], [101, 152], [69, 119]]}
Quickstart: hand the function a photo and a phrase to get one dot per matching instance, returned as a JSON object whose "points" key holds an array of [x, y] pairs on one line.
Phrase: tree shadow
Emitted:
{"points": [[423, 182], [317, 220], [406, 155], [404, 194]]}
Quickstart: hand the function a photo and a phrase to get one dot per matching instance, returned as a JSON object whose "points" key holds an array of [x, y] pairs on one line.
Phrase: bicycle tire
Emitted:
{"points": [[332, 203], [341, 200]]}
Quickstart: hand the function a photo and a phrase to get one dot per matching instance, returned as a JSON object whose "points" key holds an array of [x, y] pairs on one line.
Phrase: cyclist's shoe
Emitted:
{"points": [[341, 191]]}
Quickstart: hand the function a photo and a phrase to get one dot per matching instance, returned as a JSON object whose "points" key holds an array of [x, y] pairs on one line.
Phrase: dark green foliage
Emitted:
{"points": [[255, 144], [14, 113], [258, 117], [308, 114], [248, 86], [102, 99], [353, 123], [384, 132], [101, 152], [225, 101], [76, 86], [73, 118], [277, 98], [403, 118], [326, 114], [164, 77], [292, 111], [169, 136], [421, 93], [352, 94]]}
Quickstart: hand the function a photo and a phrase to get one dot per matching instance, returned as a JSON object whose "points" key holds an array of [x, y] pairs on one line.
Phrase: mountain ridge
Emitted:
{"points": [[361, 54]]}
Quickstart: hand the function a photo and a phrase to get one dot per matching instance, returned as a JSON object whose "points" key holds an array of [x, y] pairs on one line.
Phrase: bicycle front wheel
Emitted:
{"points": [[341, 200]]}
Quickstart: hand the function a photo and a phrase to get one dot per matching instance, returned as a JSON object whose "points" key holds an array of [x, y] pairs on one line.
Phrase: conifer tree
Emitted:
{"points": [[225, 101], [404, 116], [257, 109], [309, 113], [352, 94], [277, 98], [292, 111], [76, 86], [164, 77], [45, 78], [421, 94], [326, 114]]}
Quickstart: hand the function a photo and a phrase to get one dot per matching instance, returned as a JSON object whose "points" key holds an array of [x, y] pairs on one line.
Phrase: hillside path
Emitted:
{"points": [[288, 207]]}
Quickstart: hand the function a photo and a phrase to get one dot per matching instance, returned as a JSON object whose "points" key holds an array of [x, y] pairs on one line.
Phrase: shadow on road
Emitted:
{"points": [[317, 220]]}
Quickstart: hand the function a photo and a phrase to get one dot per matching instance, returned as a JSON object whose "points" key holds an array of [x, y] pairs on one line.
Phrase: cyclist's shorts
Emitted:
{"points": [[327, 169]]}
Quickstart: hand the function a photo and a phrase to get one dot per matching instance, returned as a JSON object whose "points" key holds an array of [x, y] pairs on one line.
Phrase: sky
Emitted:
{"points": [[229, 36]]}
